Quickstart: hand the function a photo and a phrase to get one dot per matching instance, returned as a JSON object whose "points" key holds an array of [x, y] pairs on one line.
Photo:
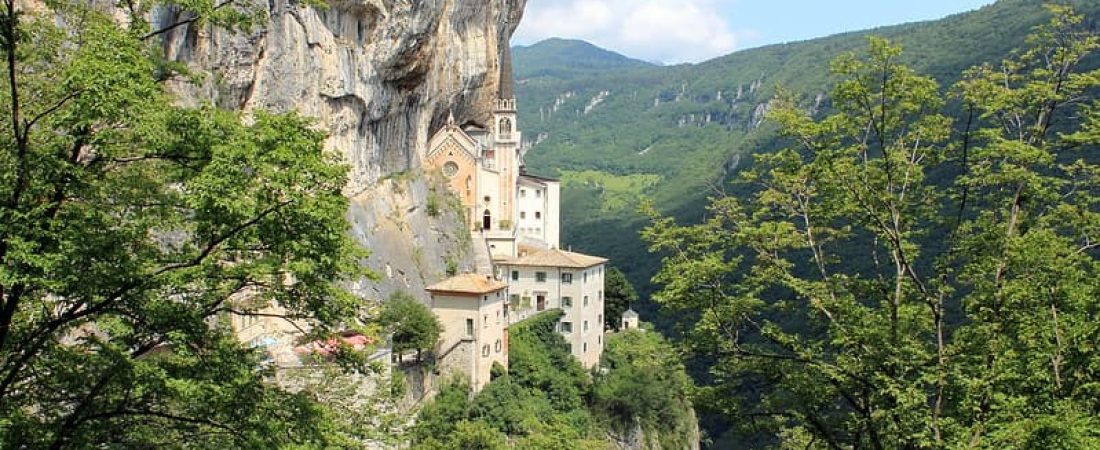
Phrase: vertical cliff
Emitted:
{"points": [[378, 75]]}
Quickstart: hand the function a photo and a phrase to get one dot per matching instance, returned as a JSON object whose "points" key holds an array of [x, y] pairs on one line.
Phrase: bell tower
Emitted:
{"points": [[507, 138], [504, 115]]}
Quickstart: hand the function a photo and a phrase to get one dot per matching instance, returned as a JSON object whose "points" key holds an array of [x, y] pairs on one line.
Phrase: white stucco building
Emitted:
{"points": [[555, 278]]}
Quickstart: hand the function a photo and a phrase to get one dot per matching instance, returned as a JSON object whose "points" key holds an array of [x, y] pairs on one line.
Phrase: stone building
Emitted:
{"points": [[472, 309]]}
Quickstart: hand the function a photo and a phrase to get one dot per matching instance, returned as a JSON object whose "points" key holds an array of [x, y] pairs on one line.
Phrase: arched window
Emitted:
{"points": [[486, 220], [505, 127]]}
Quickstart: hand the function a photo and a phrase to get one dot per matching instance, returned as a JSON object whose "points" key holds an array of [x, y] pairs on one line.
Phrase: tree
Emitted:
{"points": [[131, 228], [619, 295], [645, 384], [413, 325], [897, 284]]}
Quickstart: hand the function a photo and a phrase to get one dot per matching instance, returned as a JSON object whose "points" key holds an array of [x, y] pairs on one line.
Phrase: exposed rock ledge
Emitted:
{"points": [[378, 75]]}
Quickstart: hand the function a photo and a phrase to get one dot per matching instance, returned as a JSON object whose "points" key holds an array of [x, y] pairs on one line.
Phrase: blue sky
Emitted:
{"points": [[674, 31]]}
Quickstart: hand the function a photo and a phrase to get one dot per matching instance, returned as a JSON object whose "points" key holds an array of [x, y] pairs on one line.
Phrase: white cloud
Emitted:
{"points": [[670, 31]]}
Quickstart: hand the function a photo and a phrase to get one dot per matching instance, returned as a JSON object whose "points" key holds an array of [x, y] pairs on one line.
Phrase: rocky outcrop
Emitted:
{"points": [[685, 435], [379, 76]]}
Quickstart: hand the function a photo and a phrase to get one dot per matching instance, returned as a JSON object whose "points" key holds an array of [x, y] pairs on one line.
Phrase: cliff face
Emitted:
{"points": [[378, 75]]}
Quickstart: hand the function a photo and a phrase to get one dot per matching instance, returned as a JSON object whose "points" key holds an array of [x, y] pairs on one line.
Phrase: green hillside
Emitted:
{"points": [[618, 130], [568, 58]]}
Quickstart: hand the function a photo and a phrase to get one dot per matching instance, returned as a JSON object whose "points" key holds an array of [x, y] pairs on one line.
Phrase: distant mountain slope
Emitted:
{"points": [[616, 133], [568, 58]]}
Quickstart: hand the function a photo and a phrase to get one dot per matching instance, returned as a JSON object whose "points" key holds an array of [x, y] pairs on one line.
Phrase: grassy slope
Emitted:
{"points": [[664, 132]]}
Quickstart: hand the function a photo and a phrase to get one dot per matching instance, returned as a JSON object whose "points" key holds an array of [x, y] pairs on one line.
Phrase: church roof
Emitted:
{"points": [[556, 257], [538, 179], [471, 126], [630, 314], [507, 84], [468, 283]]}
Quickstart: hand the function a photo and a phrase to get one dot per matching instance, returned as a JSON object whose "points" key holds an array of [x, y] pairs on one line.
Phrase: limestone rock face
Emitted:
{"points": [[379, 76]]}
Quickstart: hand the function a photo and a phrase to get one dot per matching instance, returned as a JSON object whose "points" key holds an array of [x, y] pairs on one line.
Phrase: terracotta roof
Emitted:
{"points": [[556, 257], [468, 283]]}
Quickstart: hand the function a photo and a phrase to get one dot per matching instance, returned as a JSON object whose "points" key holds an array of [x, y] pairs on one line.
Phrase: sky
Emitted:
{"points": [[676, 31]]}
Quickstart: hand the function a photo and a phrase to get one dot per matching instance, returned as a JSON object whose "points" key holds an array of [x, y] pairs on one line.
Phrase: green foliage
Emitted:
{"points": [[619, 294], [412, 325], [433, 204], [655, 122], [511, 408], [399, 385], [539, 406], [539, 358], [893, 284], [645, 383], [452, 266], [130, 228], [566, 58], [438, 418]]}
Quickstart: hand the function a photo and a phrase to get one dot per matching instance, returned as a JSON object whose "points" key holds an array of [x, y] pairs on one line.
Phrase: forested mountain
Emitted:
{"points": [[569, 58], [617, 130]]}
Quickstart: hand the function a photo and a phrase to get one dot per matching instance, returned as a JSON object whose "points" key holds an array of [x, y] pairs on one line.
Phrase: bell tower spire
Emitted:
{"points": [[506, 94]]}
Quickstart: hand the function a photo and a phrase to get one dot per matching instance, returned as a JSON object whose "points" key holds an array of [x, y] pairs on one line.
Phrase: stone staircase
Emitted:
{"points": [[483, 260]]}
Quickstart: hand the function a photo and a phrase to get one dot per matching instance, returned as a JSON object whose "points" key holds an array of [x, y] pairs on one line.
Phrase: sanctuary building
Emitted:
{"points": [[514, 220]]}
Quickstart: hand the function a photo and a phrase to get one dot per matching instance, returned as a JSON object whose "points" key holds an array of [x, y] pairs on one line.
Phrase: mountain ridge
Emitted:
{"points": [[557, 57], [678, 134]]}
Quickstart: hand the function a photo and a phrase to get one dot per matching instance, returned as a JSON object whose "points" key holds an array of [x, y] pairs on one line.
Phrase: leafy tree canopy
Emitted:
{"points": [[857, 300], [619, 295], [413, 325], [131, 228]]}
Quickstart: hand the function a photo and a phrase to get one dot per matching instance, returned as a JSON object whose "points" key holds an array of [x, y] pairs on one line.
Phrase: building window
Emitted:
{"points": [[470, 327], [599, 340], [540, 277], [488, 199], [538, 193], [485, 350], [514, 299], [538, 215], [450, 169], [522, 193], [567, 327], [586, 347], [586, 325], [515, 275], [567, 302], [498, 346], [498, 317], [586, 300], [485, 321], [567, 278], [601, 295], [599, 318], [570, 347], [586, 276], [522, 214]]}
